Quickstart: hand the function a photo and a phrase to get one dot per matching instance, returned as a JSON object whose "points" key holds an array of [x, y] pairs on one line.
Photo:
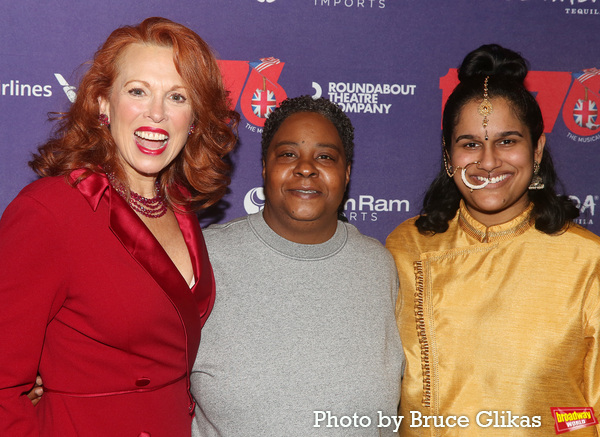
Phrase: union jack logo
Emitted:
{"points": [[585, 114], [263, 103]]}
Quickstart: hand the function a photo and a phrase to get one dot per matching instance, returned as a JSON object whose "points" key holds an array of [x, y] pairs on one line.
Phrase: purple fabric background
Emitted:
{"points": [[406, 44]]}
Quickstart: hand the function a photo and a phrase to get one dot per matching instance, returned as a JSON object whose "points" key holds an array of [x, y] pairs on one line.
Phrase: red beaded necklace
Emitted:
{"points": [[151, 208]]}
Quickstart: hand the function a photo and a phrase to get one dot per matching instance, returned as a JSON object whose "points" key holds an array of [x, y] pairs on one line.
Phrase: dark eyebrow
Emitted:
{"points": [[507, 133], [284, 143], [330, 146], [511, 132], [464, 137], [293, 143]]}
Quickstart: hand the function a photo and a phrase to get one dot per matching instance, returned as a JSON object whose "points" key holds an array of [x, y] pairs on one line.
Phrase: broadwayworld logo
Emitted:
{"points": [[570, 419]]}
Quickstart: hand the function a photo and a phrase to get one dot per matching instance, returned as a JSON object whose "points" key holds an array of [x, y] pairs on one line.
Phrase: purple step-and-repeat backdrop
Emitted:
{"points": [[388, 63]]}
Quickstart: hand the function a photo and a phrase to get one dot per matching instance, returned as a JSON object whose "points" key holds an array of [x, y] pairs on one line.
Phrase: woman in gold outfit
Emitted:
{"points": [[500, 307]]}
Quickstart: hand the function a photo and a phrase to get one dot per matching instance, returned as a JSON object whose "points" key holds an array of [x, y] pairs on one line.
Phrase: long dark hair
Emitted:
{"points": [[507, 70]]}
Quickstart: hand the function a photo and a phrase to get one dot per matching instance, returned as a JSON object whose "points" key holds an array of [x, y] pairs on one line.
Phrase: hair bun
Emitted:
{"points": [[493, 60]]}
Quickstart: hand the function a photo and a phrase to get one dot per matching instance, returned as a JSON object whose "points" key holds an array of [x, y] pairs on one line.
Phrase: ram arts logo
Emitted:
{"points": [[574, 97], [366, 208]]}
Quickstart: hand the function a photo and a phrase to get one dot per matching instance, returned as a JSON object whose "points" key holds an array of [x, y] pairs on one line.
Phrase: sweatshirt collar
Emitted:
{"points": [[296, 250]]}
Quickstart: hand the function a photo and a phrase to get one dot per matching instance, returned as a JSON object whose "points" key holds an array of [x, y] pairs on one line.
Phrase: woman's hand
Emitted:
{"points": [[37, 391]]}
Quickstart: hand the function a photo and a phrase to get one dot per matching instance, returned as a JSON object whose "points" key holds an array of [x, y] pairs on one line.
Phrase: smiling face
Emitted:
{"points": [[305, 176], [505, 159], [149, 113]]}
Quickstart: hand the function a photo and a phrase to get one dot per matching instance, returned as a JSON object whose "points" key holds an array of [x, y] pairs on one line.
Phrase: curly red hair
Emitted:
{"points": [[81, 142]]}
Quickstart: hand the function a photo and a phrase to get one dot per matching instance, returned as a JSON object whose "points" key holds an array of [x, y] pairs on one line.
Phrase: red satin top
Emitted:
{"points": [[92, 302]]}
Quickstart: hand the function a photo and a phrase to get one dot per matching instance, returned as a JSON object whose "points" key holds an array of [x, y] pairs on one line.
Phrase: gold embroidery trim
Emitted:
{"points": [[420, 319], [488, 236]]}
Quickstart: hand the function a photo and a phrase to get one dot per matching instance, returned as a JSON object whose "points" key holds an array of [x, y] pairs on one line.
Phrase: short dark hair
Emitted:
{"points": [[306, 103], [506, 70]]}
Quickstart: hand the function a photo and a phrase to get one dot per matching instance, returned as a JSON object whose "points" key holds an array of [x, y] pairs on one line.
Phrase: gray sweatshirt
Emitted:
{"points": [[302, 340]]}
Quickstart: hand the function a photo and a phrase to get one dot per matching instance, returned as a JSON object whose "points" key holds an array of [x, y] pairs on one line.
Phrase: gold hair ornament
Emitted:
{"points": [[485, 107]]}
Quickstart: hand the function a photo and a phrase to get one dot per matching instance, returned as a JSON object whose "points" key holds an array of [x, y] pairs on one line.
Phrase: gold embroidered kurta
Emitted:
{"points": [[502, 319]]}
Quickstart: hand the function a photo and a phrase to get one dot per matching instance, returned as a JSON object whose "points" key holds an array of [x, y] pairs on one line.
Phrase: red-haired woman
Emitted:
{"points": [[106, 281]]}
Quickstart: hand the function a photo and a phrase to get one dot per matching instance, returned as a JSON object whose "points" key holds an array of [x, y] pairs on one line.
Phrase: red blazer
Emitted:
{"points": [[92, 302]]}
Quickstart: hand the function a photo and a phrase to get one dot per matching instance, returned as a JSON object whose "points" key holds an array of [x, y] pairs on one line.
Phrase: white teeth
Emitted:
{"points": [[307, 191], [492, 180], [152, 136]]}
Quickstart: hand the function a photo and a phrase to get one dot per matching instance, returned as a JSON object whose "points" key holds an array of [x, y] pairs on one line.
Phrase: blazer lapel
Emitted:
{"points": [[204, 287], [147, 251]]}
